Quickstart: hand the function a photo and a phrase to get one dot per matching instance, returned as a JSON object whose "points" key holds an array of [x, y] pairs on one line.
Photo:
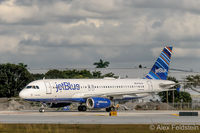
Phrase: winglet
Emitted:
{"points": [[160, 69]]}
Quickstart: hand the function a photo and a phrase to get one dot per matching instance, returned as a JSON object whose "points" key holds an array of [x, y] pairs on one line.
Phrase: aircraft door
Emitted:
{"points": [[91, 88], [48, 87], [150, 86]]}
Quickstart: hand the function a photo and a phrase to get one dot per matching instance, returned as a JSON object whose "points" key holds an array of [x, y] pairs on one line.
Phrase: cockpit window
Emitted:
{"points": [[29, 87], [32, 87]]}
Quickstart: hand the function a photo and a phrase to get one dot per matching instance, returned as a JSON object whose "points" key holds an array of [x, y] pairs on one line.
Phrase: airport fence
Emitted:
{"points": [[184, 106], [162, 106]]}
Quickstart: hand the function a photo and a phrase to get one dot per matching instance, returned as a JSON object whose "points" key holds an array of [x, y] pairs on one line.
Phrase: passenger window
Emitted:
{"points": [[34, 87], [37, 87]]}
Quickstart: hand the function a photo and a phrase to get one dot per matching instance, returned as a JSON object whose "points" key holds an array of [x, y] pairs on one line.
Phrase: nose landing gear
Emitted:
{"points": [[42, 110]]}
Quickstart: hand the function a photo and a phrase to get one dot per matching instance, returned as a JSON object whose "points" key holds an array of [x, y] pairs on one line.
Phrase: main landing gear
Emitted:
{"points": [[82, 108], [112, 108]]}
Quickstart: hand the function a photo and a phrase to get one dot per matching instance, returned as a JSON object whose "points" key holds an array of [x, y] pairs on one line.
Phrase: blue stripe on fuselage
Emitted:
{"points": [[51, 100], [79, 100]]}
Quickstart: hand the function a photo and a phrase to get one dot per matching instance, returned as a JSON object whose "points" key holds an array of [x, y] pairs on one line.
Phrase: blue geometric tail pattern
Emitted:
{"points": [[160, 69]]}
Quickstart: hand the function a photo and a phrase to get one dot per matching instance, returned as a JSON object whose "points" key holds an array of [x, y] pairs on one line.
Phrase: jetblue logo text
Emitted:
{"points": [[67, 86], [102, 102], [160, 70]]}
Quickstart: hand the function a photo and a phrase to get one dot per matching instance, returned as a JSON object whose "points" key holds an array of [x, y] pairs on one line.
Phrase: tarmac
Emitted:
{"points": [[97, 117]]}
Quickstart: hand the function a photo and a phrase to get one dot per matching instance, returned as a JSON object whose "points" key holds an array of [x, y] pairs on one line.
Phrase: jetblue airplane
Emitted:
{"points": [[100, 93]]}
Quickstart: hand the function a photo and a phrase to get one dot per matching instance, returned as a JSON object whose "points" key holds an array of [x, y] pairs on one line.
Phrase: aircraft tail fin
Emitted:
{"points": [[160, 69]]}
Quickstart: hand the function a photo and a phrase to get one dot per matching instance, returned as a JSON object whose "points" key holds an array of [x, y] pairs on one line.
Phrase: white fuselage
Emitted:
{"points": [[77, 90], [99, 93]]}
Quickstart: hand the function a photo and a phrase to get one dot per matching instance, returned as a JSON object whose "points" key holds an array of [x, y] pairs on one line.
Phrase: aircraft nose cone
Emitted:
{"points": [[22, 94]]}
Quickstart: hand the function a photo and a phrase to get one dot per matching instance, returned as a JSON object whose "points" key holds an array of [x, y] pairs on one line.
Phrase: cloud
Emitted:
{"points": [[8, 44], [80, 32], [189, 52], [180, 52], [11, 13], [179, 27]]}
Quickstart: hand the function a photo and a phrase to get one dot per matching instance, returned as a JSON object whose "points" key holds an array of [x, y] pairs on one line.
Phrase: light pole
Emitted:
{"points": [[181, 104]]}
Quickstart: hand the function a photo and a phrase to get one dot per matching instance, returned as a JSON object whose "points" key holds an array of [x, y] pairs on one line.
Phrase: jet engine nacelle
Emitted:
{"points": [[98, 102]]}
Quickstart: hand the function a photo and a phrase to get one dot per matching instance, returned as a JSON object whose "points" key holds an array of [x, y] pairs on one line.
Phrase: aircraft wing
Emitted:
{"points": [[86, 95]]}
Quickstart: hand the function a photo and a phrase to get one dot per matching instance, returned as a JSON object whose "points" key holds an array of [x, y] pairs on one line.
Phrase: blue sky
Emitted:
{"points": [[76, 33]]}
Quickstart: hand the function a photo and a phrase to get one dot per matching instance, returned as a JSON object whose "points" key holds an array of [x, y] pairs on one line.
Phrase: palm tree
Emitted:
{"points": [[101, 64], [23, 65]]}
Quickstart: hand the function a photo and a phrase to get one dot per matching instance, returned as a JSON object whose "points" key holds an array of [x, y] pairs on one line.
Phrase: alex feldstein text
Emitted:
{"points": [[182, 127]]}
